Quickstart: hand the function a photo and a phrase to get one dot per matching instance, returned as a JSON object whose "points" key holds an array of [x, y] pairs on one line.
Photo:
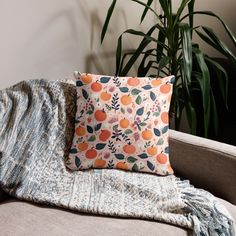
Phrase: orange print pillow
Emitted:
{"points": [[122, 123]]}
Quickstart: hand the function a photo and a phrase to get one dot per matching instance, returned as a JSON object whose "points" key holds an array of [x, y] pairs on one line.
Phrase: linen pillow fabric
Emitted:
{"points": [[122, 123]]}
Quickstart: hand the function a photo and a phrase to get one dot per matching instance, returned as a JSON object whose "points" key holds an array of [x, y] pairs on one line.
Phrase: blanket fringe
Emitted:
{"points": [[209, 217]]}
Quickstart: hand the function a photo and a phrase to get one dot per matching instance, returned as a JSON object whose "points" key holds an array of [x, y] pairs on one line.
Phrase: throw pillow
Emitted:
{"points": [[122, 123]]}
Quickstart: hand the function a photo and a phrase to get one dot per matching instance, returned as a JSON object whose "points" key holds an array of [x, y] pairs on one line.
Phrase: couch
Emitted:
{"points": [[207, 164]]}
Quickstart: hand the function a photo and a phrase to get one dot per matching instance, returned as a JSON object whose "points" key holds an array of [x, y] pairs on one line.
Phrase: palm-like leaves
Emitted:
{"points": [[167, 48]]}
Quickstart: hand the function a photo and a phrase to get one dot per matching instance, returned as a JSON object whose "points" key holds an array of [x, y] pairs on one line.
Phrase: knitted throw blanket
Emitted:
{"points": [[36, 130]]}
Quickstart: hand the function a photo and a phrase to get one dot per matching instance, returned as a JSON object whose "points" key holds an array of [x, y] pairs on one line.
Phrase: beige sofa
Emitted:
{"points": [[207, 164]]}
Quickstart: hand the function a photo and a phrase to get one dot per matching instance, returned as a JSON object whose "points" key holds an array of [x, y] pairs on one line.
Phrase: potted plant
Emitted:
{"points": [[167, 48]]}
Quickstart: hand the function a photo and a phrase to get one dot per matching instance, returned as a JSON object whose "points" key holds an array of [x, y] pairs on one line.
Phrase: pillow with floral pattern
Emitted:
{"points": [[122, 123]]}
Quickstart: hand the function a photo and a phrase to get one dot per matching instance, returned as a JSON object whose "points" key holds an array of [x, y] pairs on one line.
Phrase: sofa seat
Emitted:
{"points": [[19, 218]]}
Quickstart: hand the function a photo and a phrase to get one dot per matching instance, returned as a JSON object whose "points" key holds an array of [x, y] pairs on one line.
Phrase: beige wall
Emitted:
{"points": [[51, 38]]}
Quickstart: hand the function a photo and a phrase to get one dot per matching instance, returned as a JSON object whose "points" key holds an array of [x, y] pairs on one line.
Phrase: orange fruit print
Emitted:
{"points": [[104, 135], [147, 134], [83, 146], [122, 123], [129, 148], [91, 153], [126, 100], [96, 87], [100, 115], [80, 131], [86, 78], [133, 81]]}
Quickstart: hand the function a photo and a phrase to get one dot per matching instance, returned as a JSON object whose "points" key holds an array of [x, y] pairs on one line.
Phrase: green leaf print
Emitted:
{"points": [[131, 159], [165, 129], [135, 91], [160, 141], [135, 167], [138, 100], [128, 131], [122, 110], [92, 138]]}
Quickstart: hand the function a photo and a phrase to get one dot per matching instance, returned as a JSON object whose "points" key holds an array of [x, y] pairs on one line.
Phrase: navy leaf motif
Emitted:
{"points": [[100, 146], [73, 150], [140, 111], [77, 162], [147, 87], [166, 150], [124, 89], [153, 96], [120, 156], [143, 156], [85, 94], [157, 132], [105, 80], [150, 166], [89, 129], [79, 83], [98, 127], [165, 129]]}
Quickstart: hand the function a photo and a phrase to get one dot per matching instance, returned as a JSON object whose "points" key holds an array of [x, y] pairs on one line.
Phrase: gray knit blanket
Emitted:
{"points": [[36, 130]]}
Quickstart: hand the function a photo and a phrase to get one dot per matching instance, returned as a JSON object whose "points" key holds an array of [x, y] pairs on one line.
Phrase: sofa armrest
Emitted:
{"points": [[207, 164]]}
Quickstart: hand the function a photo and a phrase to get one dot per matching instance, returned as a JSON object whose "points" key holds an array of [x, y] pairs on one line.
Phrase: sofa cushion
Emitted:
{"points": [[22, 218]]}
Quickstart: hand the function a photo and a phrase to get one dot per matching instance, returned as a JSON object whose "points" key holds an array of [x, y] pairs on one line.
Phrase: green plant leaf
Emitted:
{"points": [[73, 150], [210, 13], [221, 76], [128, 131], [149, 3], [204, 82], [108, 17], [185, 33], [216, 43]]}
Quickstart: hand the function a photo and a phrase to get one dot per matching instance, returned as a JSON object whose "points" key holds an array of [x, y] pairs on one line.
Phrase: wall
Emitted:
{"points": [[50, 39]]}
